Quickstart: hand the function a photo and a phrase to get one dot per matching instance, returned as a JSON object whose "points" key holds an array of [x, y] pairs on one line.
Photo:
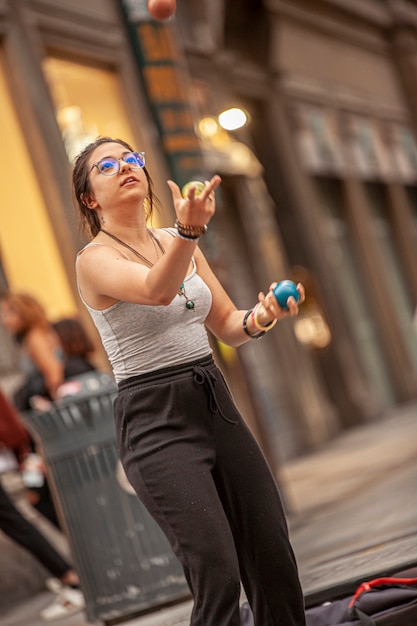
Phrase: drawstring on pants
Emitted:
{"points": [[202, 376], [202, 371]]}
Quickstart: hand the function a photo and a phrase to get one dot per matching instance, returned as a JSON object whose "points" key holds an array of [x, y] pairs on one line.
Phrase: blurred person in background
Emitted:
{"points": [[43, 369], [41, 354], [15, 441], [76, 345], [15, 444]]}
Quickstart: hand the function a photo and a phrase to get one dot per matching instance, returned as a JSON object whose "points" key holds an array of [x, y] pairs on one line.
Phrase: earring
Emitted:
{"points": [[102, 220]]}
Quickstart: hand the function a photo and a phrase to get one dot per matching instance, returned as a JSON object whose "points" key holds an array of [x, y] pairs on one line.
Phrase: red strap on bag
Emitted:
{"points": [[380, 582]]}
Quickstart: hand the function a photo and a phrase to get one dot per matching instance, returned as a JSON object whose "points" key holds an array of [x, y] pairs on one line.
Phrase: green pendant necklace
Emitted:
{"points": [[189, 304]]}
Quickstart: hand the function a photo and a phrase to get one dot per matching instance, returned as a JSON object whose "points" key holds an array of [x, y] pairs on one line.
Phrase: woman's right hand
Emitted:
{"points": [[195, 209]]}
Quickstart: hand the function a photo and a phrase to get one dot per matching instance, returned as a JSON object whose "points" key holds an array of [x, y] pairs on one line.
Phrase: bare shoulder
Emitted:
{"points": [[164, 235], [38, 338], [95, 251]]}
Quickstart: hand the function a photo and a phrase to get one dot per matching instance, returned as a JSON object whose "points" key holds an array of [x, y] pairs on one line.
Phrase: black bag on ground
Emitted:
{"points": [[390, 601]]}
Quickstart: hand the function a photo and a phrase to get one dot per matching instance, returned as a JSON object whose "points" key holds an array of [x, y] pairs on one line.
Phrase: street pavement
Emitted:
{"points": [[352, 512]]}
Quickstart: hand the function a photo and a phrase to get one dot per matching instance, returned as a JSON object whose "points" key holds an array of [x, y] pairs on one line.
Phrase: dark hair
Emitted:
{"points": [[73, 337], [89, 221]]}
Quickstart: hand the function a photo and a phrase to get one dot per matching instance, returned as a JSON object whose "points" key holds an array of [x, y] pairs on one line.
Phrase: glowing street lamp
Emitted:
{"points": [[208, 127], [233, 119]]}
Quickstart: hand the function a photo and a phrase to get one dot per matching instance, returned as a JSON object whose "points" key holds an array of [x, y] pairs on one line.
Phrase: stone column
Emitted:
{"points": [[289, 184], [403, 37], [403, 226]]}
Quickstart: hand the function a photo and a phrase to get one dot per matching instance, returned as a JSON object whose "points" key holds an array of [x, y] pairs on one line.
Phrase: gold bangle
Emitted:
{"points": [[269, 326]]}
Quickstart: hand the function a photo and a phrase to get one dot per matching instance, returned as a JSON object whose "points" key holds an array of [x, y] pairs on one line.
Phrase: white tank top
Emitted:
{"points": [[141, 338]]}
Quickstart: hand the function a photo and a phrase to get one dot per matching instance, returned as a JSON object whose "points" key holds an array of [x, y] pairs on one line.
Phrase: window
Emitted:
{"points": [[88, 103], [30, 257]]}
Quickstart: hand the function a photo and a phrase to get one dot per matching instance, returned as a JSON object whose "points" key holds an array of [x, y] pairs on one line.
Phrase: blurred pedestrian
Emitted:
{"points": [[42, 366], [70, 599], [41, 355], [76, 345], [15, 439], [14, 436], [184, 446]]}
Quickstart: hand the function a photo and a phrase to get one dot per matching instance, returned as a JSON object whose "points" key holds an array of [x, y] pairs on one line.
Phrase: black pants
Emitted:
{"points": [[18, 528], [45, 504], [198, 470]]}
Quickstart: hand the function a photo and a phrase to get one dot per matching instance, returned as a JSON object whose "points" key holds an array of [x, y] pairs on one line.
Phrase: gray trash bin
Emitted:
{"points": [[125, 563]]}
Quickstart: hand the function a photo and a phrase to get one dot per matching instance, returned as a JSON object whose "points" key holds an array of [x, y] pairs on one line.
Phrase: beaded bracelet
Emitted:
{"points": [[245, 327], [256, 322], [190, 231]]}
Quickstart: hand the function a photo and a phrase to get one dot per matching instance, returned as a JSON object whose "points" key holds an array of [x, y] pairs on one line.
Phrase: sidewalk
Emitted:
{"points": [[354, 506], [352, 516]]}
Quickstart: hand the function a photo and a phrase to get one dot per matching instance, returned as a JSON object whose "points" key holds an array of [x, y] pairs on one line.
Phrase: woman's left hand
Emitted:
{"points": [[272, 308]]}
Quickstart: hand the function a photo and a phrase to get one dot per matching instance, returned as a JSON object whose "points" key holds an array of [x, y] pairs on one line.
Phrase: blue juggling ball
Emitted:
{"points": [[283, 291]]}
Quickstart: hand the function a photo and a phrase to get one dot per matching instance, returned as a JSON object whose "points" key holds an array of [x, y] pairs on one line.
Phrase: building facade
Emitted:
{"points": [[330, 88], [320, 186]]}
